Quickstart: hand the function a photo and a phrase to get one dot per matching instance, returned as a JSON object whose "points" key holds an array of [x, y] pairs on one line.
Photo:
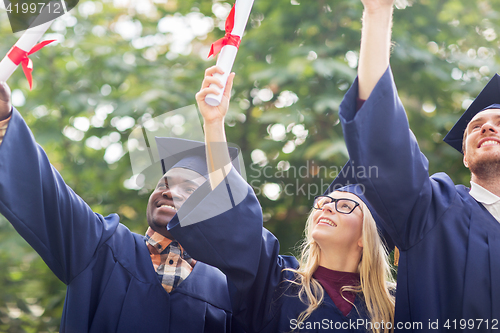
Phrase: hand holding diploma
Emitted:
{"points": [[210, 85], [228, 46]]}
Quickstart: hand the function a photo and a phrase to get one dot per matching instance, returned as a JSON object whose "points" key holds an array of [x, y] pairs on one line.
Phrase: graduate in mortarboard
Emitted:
{"points": [[448, 235], [117, 281], [341, 282]]}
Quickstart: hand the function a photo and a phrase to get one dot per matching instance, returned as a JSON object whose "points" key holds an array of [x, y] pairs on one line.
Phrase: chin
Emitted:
{"points": [[320, 237], [161, 223], [315, 236], [486, 166]]}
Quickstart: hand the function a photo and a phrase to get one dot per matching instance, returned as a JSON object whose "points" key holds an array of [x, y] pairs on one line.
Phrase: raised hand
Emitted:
{"points": [[5, 101], [210, 113], [215, 137]]}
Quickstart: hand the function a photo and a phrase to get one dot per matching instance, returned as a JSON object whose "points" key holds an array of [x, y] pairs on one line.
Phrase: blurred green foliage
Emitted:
{"points": [[134, 60]]}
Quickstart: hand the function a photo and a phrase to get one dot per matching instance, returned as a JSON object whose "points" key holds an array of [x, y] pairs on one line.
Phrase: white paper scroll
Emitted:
{"points": [[242, 9]]}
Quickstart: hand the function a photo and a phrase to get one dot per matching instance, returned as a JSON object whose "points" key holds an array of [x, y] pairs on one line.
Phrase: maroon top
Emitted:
{"points": [[333, 281]]}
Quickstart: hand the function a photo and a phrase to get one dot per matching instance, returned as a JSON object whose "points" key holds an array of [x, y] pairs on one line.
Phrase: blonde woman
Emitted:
{"points": [[350, 265], [342, 280]]}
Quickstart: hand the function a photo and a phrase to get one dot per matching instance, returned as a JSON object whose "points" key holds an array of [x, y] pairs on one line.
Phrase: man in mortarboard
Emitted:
{"points": [[117, 281], [448, 235]]}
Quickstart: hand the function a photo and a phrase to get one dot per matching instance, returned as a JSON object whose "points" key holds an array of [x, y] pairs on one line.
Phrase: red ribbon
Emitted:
{"points": [[228, 39], [19, 56]]}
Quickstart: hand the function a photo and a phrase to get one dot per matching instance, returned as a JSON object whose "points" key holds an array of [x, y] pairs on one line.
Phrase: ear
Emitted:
{"points": [[465, 162], [360, 242]]}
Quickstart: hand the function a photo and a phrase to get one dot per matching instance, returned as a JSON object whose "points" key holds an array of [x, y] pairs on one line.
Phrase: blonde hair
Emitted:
{"points": [[376, 280]]}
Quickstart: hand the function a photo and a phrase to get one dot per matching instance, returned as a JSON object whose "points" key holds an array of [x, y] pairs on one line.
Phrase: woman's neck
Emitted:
{"points": [[343, 262]]}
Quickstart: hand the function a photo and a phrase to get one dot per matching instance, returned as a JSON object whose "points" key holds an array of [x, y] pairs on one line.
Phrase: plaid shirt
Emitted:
{"points": [[3, 128], [171, 262]]}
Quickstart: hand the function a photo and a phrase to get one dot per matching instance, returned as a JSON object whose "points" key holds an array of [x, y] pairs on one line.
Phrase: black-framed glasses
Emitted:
{"points": [[342, 205]]}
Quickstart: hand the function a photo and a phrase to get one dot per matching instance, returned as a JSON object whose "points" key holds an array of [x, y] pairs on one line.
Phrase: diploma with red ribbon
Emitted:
{"points": [[229, 38], [19, 56], [25, 46], [229, 44]]}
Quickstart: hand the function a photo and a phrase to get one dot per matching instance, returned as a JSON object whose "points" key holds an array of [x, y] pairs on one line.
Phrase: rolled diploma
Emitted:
{"points": [[227, 55], [29, 39]]}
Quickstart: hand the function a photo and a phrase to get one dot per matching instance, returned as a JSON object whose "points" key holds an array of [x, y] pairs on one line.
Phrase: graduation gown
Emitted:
{"points": [[263, 298], [111, 283], [449, 267]]}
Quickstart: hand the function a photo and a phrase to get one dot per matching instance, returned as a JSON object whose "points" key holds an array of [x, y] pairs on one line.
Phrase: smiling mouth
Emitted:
{"points": [[489, 143], [327, 221], [168, 206]]}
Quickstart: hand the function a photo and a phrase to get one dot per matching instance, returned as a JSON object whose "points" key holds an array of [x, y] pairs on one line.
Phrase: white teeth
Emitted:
{"points": [[168, 206], [327, 221], [489, 142]]}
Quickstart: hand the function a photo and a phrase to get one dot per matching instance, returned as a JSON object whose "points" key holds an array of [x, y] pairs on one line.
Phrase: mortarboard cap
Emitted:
{"points": [[346, 182], [181, 153], [488, 98]]}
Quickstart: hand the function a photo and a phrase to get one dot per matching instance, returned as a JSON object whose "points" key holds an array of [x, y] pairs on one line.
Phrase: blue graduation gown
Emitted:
{"points": [[263, 298], [111, 283], [449, 267]]}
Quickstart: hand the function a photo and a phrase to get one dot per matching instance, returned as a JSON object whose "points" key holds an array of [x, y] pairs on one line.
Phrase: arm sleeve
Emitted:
{"points": [[235, 242], [56, 222], [387, 160]]}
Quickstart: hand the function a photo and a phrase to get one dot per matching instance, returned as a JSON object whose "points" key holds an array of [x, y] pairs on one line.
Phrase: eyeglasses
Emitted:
{"points": [[342, 205]]}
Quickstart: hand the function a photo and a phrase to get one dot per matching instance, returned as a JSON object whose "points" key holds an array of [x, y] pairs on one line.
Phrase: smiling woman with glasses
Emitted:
{"points": [[344, 257]]}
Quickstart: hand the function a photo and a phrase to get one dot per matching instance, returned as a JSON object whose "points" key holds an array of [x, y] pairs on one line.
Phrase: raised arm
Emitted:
{"points": [[234, 239], [218, 160], [56, 222], [384, 152], [375, 44]]}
